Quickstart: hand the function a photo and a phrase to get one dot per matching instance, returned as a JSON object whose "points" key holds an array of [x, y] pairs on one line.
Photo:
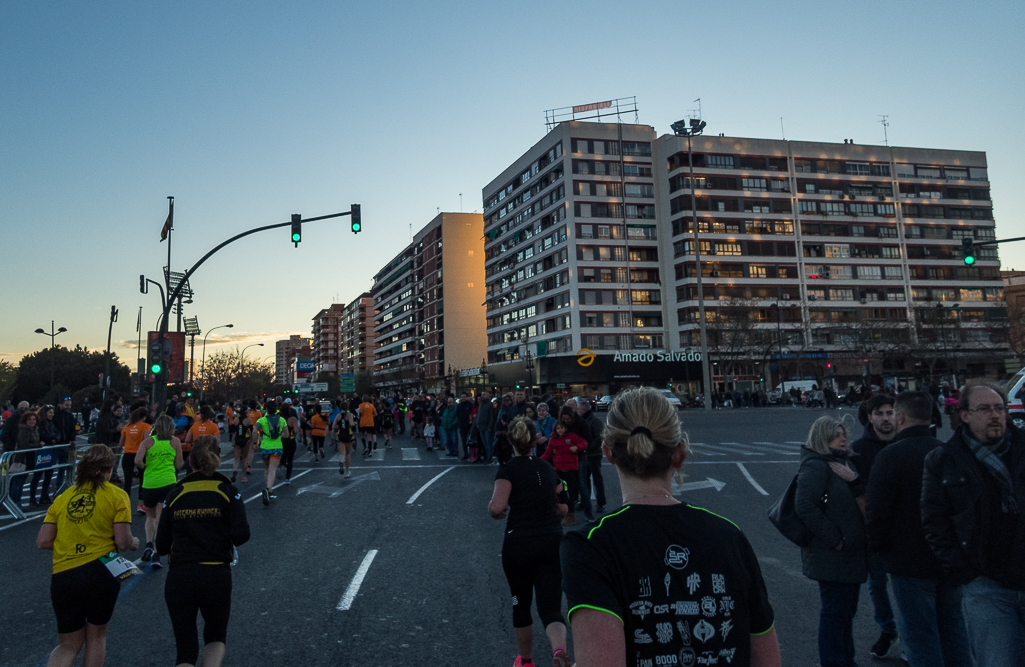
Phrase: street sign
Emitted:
{"points": [[561, 385], [315, 386], [347, 382]]}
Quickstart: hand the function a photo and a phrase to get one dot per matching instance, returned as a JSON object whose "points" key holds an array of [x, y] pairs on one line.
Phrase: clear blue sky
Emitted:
{"points": [[248, 112]]}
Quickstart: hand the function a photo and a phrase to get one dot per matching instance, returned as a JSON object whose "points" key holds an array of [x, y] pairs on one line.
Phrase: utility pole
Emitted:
{"points": [[106, 364]]}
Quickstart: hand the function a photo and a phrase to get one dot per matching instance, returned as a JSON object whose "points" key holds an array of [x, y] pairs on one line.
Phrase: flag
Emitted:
{"points": [[166, 229]]}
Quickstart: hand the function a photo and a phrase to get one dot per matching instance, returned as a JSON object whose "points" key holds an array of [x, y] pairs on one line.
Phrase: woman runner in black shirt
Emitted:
{"points": [[659, 582], [528, 491]]}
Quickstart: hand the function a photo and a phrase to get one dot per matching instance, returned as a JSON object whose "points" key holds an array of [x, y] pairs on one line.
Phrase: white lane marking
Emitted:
{"points": [[423, 488], [706, 452], [749, 462], [751, 479], [734, 450], [410, 454], [376, 455], [794, 442], [774, 448], [350, 593], [249, 500], [25, 520]]}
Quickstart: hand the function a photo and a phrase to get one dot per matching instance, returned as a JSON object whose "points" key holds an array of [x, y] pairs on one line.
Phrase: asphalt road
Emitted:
{"points": [[400, 564]]}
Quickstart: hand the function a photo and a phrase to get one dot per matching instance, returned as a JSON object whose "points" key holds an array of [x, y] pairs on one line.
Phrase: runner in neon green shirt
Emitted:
{"points": [[272, 427]]}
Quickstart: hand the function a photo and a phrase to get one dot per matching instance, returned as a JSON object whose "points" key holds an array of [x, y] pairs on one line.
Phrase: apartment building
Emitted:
{"points": [[573, 263], [835, 262], [326, 336], [286, 351], [356, 335], [429, 311]]}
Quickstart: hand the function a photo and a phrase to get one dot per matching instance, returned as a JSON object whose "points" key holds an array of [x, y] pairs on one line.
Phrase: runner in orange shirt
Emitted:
{"points": [[319, 425], [134, 432], [367, 412], [254, 415], [205, 425]]}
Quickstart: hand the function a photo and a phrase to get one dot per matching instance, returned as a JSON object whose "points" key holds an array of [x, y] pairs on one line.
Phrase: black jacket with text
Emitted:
{"points": [[203, 517]]}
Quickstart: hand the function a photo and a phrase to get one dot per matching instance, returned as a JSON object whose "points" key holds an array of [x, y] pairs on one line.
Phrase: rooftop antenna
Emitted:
{"points": [[781, 128], [885, 123], [699, 107], [460, 202]]}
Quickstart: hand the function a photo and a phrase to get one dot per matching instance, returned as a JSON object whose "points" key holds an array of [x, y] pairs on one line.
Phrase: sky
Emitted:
{"points": [[247, 112]]}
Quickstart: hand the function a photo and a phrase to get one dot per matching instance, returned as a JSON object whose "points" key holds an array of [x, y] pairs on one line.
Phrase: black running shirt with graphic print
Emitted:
{"points": [[684, 582]]}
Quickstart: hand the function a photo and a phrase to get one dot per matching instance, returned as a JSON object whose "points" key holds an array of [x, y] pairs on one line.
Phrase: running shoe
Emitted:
{"points": [[155, 562], [147, 554], [266, 497], [883, 644], [560, 659], [244, 479], [273, 496], [430, 449], [249, 471], [287, 481], [141, 509], [348, 473], [520, 662], [234, 473], [341, 468]]}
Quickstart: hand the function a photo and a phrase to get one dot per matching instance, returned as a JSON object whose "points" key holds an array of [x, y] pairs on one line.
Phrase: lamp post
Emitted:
{"points": [[241, 357], [693, 127], [448, 380], [779, 336], [202, 388], [529, 366], [53, 334]]}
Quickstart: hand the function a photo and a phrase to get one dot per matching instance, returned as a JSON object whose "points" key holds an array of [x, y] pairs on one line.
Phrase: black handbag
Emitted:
{"points": [[783, 515]]}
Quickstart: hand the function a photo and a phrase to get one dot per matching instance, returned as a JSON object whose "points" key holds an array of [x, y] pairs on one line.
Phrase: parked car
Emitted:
{"points": [[1015, 395], [673, 399], [603, 403]]}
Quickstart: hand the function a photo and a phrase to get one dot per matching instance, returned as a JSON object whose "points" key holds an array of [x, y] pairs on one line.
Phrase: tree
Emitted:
{"points": [[228, 376], [73, 371], [1016, 331], [8, 378], [733, 336]]}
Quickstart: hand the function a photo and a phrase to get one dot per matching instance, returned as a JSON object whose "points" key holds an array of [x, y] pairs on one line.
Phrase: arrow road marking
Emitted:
{"points": [[350, 593], [709, 483], [751, 479], [423, 488], [334, 491], [249, 500]]}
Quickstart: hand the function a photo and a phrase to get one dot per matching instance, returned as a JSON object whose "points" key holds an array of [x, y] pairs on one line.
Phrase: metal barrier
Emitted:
{"points": [[43, 459]]}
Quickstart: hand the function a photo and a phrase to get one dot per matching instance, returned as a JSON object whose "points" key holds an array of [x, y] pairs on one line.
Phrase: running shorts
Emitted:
{"points": [[272, 454], [368, 429], [153, 497], [83, 594]]}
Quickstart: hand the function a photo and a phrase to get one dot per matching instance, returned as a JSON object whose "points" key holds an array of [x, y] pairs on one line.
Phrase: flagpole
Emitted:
{"points": [[170, 228], [138, 360]]}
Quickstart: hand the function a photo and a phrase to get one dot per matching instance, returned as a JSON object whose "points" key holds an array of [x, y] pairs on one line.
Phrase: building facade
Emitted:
{"points": [[285, 353], [428, 302], [356, 336], [326, 335], [835, 262]]}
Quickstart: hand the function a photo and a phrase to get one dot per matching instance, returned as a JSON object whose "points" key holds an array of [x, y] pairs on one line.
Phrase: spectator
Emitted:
{"points": [[9, 432], [973, 494], [463, 411], [590, 463], [932, 626], [486, 425]]}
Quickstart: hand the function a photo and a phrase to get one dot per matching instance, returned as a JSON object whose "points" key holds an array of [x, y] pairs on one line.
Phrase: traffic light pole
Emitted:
{"points": [[160, 383]]}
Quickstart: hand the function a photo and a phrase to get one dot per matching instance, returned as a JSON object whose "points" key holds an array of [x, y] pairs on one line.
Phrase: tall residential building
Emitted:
{"points": [[836, 262], [356, 351], [428, 302], [325, 341], [286, 351]]}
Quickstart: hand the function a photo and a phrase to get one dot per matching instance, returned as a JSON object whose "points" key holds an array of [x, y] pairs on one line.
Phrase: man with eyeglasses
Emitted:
{"points": [[973, 496]]}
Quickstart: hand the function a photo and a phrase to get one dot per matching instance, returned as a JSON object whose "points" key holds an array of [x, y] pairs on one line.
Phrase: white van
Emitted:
{"points": [[804, 385], [1015, 396]]}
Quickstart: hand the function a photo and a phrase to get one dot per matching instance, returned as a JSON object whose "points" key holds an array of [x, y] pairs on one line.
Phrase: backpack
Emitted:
{"points": [[387, 421], [274, 428], [783, 515]]}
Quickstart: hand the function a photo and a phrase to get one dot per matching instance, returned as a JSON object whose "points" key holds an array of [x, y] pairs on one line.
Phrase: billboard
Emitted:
{"points": [[176, 362]]}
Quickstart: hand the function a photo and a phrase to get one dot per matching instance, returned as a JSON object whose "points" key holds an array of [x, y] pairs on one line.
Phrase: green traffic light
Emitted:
{"points": [[969, 259], [296, 238], [155, 368], [356, 226]]}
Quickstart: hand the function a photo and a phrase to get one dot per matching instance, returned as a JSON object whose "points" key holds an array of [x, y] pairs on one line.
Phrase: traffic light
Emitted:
{"points": [[825, 272], [158, 355], [355, 218], [297, 229], [670, 383], [188, 394], [968, 245], [518, 387]]}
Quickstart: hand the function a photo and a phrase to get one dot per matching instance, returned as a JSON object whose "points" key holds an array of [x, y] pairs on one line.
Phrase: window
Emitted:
{"points": [[891, 252], [831, 208], [759, 184], [636, 148], [645, 297], [816, 294], [894, 272], [640, 190], [837, 250], [587, 231], [758, 271], [637, 170], [880, 170], [870, 272], [719, 161], [807, 207], [841, 295], [862, 209], [603, 231], [971, 294], [723, 248], [895, 295], [858, 169]]}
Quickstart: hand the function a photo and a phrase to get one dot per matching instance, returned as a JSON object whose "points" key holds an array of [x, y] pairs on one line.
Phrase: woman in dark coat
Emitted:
{"points": [[830, 501]]}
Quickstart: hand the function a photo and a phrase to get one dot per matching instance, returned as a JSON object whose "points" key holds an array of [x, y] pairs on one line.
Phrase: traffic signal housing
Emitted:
{"points": [[355, 218], [968, 245], [297, 229]]}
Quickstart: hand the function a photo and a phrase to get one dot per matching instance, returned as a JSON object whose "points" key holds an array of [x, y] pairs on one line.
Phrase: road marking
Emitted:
{"points": [[334, 491], [794, 442], [423, 488], [705, 452], [376, 455], [734, 450], [277, 485], [708, 483], [350, 593], [751, 479], [410, 454], [25, 520]]}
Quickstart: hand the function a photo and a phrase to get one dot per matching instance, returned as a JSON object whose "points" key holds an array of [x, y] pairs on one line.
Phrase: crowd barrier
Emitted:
{"points": [[36, 460]]}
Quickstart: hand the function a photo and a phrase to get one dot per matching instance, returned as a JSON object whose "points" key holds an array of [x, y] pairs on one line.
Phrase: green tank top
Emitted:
{"points": [[159, 470]]}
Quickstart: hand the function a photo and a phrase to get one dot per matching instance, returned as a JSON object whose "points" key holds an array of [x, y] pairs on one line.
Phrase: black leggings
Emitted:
{"points": [[288, 447], [128, 473], [532, 564], [192, 588], [318, 443], [572, 480]]}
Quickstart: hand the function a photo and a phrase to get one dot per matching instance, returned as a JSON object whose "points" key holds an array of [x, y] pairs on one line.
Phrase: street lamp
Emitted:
{"points": [[202, 388], [694, 127], [240, 358], [779, 335], [53, 334]]}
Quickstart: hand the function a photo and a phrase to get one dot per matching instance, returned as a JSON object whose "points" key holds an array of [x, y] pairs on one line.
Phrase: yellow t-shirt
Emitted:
{"points": [[85, 519]]}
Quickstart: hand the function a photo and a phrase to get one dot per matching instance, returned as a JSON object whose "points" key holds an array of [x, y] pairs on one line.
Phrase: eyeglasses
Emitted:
{"points": [[987, 410]]}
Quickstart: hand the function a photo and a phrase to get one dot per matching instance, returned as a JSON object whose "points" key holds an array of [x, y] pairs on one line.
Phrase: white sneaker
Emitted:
{"points": [[348, 473]]}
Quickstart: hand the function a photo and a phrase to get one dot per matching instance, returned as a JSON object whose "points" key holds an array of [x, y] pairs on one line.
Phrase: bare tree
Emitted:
{"points": [[227, 375]]}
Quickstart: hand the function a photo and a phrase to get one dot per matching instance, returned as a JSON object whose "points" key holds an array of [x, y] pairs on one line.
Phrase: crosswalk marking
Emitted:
{"points": [[376, 455], [410, 454]]}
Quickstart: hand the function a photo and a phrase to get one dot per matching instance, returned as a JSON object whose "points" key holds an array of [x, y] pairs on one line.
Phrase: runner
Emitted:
{"points": [[205, 425], [254, 415], [132, 436], [367, 412], [271, 428], [86, 524], [160, 456], [199, 572], [243, 446], [387, 424], [528, 491], [231, 416], [288, 442], [344, 428], [319, 426]]}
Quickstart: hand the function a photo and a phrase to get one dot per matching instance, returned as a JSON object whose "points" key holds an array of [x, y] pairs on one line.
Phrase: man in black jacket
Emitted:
{"points": [[879, 431], [973, 496], [590, 464], [932, 626], [9, 432]]}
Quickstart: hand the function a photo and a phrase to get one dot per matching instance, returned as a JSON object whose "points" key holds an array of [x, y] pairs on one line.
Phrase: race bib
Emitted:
{"points": [[119, 566]]}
